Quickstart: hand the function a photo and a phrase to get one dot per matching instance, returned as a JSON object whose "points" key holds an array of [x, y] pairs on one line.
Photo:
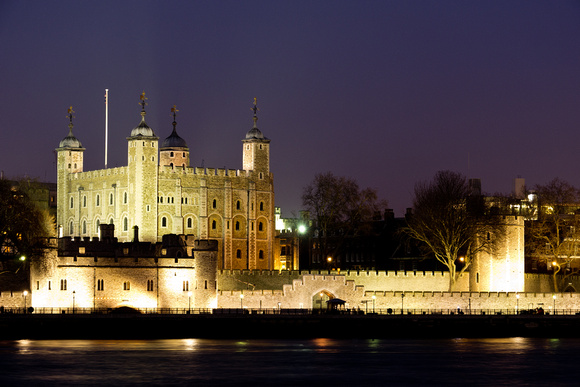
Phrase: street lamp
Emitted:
{"points": [[189, 306], [301, 231], [374, 297], [73, 302], [25, 293], [241, 301]]}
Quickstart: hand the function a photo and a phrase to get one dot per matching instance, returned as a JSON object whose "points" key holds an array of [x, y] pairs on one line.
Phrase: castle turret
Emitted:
{"points": [[173, 151], [256, 149], [69, 160], [143, 181], [500, 267]]}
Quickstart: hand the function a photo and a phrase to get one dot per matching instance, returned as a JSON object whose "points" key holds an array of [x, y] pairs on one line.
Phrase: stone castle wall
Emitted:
{"points": [[304, 293]]}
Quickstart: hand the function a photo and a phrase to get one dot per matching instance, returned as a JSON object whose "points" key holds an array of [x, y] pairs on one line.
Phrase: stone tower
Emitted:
{"points": [[256, 149], [501, 269], [173, 151], [143, 178], [69, 160]]}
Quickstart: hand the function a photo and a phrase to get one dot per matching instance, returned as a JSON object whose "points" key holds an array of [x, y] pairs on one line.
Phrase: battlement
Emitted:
{"points": [[97, 173], [172, 245]]}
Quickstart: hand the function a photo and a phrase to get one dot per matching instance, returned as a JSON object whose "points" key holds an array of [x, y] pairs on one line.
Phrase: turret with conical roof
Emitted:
{"points": [[143, 176], [69, 160], [173, 151], [256, 153]]}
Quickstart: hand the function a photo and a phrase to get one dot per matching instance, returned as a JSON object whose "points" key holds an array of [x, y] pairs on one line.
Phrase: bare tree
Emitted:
{"points": [[554, 236], [450, 222], [339, 208]]}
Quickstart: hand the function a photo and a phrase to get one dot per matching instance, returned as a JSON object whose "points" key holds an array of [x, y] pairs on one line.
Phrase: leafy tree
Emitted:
{"points": [[451, 223], [339, 208], [23, 226], [554, 236]]}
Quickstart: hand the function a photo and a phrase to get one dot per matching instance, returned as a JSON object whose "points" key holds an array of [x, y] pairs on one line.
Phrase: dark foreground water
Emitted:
{"points": [[321, 362]]}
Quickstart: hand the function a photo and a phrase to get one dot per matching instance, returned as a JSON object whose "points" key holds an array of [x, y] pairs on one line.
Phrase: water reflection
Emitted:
{"points": [[514, 361]]}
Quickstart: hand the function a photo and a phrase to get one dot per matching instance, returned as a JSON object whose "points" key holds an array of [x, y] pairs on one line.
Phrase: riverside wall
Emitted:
{"points": [[386, 290]]}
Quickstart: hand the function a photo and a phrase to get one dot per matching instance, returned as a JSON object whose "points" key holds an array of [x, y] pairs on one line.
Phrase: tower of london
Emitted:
{"points": [[159, 193]]}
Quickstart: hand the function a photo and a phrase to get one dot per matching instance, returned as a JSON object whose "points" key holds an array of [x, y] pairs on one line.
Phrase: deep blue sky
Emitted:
{"points": [[387, 92]]}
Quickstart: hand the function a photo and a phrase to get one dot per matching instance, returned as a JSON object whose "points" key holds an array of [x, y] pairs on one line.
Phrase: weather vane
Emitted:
{"points": [[143, 98], [70, 115], [255, 109], [174, 111]]}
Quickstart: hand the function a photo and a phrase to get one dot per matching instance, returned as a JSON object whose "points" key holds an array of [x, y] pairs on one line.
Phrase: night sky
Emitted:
{"points": [[386, 92]]}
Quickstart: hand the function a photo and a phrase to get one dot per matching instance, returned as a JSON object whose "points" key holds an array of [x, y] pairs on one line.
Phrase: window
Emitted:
{"points": [[237, 226], [125, 198], [84, 201], [84, 226], [100, 285], [72, 202], [126, 285], [189, 223], [49, 285], [164, 222], [98, 200], [37, 285], [261, 254], [183, 154], [62, 284], [111, 199], [214, 205], [238, 205], [98, 226], [282, 250], [185, 286], [260, 226], [238, 253], [71, 228], [125, 224], [261, 206], [213, 225], [150, 285]]}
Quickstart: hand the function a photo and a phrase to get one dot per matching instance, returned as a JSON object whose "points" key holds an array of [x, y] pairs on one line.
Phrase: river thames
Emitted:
{"points": [[341, 362]]}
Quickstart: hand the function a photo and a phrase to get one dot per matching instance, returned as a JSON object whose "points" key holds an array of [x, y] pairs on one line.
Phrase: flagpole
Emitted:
{"points": [[106, 124]]}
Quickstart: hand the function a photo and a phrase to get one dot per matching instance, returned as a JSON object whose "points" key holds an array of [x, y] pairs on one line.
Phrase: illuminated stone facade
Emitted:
{"points": [[178, 272], [159, 193]]}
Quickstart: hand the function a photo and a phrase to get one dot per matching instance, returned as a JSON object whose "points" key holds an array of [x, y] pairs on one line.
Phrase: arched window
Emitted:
{"points": [[238, 253], [261, 206], [260, 226], [189, 223], [125, 198], [171, 155], [164, 222], [111, 221], [261, 254], [214, 205], [98, 200], [237, 226], [125, 224], [84, 226], [71, 228], [213, 225], [72, 202], [84, 201], [238, 205]]}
